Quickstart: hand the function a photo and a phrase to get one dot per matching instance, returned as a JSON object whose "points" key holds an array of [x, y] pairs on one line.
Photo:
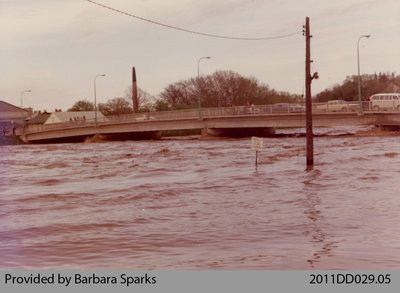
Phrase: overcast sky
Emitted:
{"points": [[57, 47]]}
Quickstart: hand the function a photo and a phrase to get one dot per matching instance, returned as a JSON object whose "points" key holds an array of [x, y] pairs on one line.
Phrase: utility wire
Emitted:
{"points": [[190, 31]]}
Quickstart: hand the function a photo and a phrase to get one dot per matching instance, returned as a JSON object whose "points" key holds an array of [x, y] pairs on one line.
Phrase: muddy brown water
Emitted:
{"points": [[202, 204]]}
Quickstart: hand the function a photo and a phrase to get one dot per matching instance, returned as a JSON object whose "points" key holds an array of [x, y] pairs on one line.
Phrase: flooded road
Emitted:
{"points": [[201, 204]]}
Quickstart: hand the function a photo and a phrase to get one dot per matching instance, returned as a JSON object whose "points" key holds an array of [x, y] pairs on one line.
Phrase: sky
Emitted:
{"points": [[56, 48]]}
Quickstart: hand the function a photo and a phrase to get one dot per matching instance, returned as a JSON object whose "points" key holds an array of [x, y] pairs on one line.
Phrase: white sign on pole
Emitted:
{"points": [[257, 143]]}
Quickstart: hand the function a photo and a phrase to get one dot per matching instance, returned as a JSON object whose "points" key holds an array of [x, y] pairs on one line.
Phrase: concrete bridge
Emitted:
{"points": [[258, 120]]}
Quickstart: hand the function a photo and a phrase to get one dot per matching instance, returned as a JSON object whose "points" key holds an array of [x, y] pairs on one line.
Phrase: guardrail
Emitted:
{"points": [[280, 108]]}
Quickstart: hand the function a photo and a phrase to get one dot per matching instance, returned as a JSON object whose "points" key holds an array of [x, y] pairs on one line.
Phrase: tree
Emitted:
{"points": [[370, 84], [82, 105], [161, 105], [221, 89], [145, 100], [116, 106]]}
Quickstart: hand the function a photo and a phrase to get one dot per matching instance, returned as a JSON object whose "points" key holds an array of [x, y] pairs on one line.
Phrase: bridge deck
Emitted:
{"points": [[233, 117]]}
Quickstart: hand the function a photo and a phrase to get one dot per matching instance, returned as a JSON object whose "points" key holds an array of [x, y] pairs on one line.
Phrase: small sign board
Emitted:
{"points": [[257, 143]]}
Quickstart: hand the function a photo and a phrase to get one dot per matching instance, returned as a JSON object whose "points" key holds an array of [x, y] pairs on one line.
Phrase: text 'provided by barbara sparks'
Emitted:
{"points": [[79, 279]]}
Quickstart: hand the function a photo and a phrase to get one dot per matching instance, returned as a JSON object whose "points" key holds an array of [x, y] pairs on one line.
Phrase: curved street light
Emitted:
{"points": [[22, 110], [359, 82], [95, 102], [198, 82]]}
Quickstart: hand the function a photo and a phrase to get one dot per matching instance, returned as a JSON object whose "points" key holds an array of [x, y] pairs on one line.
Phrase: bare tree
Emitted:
{"points": [[145, 100]]}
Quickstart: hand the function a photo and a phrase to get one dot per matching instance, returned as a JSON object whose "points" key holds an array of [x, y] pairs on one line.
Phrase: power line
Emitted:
{"points": [[190, 31]]}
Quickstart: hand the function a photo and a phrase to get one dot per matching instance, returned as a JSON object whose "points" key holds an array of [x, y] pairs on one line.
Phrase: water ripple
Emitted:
{"points": [[190, 204]]}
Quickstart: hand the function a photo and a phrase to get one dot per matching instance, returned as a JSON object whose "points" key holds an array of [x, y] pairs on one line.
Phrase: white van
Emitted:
{"points": [[385, 102]]}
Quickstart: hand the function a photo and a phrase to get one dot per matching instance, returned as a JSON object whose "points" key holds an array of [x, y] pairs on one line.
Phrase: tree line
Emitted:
{"points": [[228, 88], [221, 89]]}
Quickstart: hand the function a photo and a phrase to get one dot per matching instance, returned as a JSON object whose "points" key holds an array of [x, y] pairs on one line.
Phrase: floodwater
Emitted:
{"points": [[202, 204]]}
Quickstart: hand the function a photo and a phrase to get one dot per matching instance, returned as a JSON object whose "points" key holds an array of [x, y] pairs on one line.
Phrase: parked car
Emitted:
{"points": [[287, 108], [337, 106], [297, 108], [353, 106]]}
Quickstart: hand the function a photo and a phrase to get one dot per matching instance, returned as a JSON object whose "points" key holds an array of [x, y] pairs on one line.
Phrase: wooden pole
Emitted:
{"points": [[309, 130], [134, 91], [256, 158]]}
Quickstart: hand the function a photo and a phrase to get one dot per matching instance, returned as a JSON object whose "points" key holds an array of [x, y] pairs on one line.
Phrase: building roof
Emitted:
{"points": [[11, 113], [60, 117], [39, 118], [392, 87], [7, 107]]}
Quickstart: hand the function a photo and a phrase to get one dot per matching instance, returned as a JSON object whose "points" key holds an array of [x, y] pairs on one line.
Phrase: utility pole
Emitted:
{"points": [[309, 78], [135, 103]]}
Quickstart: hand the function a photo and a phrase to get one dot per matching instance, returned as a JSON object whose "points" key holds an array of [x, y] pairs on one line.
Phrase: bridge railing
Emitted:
{"points": [[191, 113], [29, 128], [165, 115], [348, 106]]}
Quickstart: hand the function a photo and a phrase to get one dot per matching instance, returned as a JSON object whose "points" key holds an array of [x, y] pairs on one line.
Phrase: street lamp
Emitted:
{"points": [[95, 103], [359, 82], [198, 81], [22, 110]]}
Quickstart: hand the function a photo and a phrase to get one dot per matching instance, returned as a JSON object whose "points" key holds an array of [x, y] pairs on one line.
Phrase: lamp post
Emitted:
{"points": [[359, 82], [95, 103], [22, 110], [198, 81]]}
